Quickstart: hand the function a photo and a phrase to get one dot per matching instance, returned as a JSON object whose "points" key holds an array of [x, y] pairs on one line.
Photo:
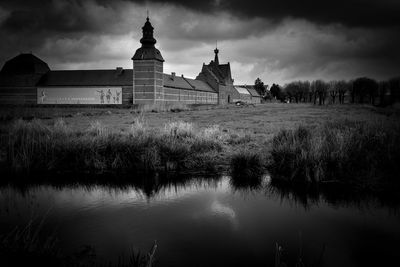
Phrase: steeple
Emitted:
{"points": [[216, 61], [148, 30], [148, 50]]}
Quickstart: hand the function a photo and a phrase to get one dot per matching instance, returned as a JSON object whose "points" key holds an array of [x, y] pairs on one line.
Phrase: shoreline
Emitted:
{"points": [[157, 143]]}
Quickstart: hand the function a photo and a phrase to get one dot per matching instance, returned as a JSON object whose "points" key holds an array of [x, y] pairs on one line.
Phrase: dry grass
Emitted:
{"points": [[37, 147], [366, 154], [262, 121], [170, 138]]}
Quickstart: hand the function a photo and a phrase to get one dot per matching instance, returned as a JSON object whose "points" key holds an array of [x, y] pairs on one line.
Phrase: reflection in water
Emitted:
{"points": [[223, 210], [210, 221]]}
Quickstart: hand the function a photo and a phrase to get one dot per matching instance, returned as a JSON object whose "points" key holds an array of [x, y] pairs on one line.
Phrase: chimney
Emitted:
{"points": [[173, 75], [119, 70], [182, 76]]}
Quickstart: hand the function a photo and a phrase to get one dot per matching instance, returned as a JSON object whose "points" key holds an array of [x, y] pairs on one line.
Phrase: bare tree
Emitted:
{"points": [[394, 85], [305, 89], [321, 89], [342, 88], [333, 90], [312, 95]]}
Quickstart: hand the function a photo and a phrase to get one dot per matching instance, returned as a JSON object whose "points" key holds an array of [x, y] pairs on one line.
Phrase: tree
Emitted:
{"points": [[298, 90], [342, 87], [394, 87], [275, 91], [305, 90], [259, 87], [363, 87], [290, 90], [313, 93], [268, 95], [321, 89], [384, 87], [333, 90]]}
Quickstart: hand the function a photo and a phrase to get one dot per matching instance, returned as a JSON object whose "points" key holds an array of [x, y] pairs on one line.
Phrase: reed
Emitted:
{"points": [[247, 169], [364, 154], [37, 147]]}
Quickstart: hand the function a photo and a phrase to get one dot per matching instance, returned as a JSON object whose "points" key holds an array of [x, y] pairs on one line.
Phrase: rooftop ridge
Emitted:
{"points": [[194, 87]]}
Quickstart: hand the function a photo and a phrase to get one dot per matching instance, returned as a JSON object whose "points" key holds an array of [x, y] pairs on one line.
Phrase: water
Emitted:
{"points": [[208, 222]]}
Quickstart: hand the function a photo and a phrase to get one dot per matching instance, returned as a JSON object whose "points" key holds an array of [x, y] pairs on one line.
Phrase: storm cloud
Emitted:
{"points": [[278, 41]]}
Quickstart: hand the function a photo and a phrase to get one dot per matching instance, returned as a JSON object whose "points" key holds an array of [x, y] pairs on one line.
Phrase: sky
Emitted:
{"points": [[276, 40]]}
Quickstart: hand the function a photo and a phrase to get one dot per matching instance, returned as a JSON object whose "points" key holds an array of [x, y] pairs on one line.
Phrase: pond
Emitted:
{"points": [[208, 222]]}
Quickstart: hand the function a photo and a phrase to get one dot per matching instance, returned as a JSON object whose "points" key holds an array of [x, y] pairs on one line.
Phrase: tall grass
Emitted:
{"points": [[37, 147], [247, 168], [366, 154]]}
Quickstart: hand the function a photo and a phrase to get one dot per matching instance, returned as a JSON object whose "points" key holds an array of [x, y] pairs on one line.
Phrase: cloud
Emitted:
{"points": [[358, 13], [278, 41]]}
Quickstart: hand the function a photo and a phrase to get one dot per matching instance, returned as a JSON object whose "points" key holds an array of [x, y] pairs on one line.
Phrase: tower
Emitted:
{"points": [[148, 70]]}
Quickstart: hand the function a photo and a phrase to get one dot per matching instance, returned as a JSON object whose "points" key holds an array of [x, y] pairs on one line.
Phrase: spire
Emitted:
{"points": [[216, 53], [148, 51], [148, 30]]}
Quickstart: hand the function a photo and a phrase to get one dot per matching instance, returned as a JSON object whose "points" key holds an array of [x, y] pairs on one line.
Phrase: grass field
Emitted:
{"points": [[262, 121], [236, 131]]}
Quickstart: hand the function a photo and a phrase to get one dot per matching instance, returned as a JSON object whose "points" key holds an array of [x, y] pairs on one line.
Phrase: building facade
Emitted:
{"points": [[28, 80]]}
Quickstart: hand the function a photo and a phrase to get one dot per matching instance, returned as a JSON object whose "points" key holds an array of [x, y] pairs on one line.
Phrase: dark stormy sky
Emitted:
{"points": [[277, 40]]}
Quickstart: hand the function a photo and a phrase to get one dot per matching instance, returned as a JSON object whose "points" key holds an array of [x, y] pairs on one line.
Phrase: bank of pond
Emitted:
{"points": [[361, 155]]}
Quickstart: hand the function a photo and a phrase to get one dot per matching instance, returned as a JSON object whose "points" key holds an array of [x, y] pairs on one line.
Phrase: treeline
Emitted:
{"points": [[360, 90]]}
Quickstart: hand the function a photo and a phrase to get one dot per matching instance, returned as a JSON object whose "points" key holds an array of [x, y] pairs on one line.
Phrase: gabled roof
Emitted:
{"points": [[25, 64], [176, 82], [185, 83], [200, 85], [253, 92], [220, 72], [113, 77], [242, 90], [216, 72], [225, 69], [250, 88]]}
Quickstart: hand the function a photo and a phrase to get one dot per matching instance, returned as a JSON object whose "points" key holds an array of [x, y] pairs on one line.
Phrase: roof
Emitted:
{"points": [[118, 77], [242, 90], [24, 64], [185, 83], [200, 85], [250, 88], [221, 72], [216, 72], [225, 69], [148, 50], [253, 92], [176, 82], [148, 53]]}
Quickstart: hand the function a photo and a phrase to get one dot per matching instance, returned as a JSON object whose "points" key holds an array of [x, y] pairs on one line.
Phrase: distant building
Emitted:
{"points": [[255, 97], [26, 79]]}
